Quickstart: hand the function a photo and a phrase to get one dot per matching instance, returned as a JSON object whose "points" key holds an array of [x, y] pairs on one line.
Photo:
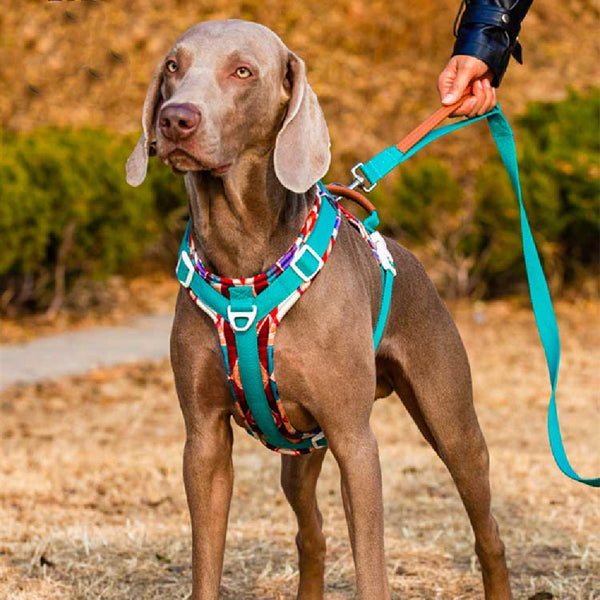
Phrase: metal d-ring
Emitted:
{"points": [[233, 315]]}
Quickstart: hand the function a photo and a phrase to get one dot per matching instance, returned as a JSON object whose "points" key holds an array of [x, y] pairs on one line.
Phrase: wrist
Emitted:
{"points": [[489, 31]]}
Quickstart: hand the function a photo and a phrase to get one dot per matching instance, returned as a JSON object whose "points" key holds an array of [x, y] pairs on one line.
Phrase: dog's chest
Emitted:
{"points": [[247, 313]]}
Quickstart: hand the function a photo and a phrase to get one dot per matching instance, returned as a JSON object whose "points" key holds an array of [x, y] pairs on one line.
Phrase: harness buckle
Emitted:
{"points": [[387, 262], [360, 180], [249, 315], [185, 278], [316, 438], [294, 263]]}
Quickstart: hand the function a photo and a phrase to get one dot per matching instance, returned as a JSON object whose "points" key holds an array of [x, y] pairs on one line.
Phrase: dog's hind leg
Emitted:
{"points": [[432, 377], [299, 475], [459, 442]]}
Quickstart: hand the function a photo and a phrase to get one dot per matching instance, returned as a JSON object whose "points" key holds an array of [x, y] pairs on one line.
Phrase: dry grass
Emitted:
{"points": [[92, 502]]}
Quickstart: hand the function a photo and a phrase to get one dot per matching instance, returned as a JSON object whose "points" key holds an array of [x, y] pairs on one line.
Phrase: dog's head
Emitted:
{"points": [[226, 88]]}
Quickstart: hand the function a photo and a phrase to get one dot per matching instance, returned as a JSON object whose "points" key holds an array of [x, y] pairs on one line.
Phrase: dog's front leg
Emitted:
{"points": [[208, 476], [358, 459], [207, 464], [299, 475]]}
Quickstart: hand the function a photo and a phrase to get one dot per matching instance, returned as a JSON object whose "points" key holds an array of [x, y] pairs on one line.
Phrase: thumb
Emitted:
{"points": [[458, 87]]}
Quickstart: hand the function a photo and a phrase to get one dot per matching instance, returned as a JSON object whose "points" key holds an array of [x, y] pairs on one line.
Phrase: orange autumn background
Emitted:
{"points": [[91, 495]]}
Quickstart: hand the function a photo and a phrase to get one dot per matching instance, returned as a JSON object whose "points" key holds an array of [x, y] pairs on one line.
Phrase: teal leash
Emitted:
{"points": [[368, 174]]}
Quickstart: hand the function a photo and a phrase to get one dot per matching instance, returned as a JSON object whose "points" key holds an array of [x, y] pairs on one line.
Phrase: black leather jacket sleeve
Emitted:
{"points": [[489, 29]]}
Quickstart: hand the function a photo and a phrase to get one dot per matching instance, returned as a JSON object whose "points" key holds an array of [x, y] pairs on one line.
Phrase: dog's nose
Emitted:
{"points": [[178, 121]]}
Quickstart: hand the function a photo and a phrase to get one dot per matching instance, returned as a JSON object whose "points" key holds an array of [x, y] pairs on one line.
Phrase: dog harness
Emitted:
{"points": [[247, 312]]}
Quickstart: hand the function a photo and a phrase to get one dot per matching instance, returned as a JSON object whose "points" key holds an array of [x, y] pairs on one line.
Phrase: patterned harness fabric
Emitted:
{"points": [[267, 326]]}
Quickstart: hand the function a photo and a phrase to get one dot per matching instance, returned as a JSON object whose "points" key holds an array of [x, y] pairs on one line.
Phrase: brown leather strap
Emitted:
{"points": [[341, 190], [419, 132]]}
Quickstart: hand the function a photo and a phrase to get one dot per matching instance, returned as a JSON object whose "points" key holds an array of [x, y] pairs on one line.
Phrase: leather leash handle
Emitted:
{"points": [[419, 132]]}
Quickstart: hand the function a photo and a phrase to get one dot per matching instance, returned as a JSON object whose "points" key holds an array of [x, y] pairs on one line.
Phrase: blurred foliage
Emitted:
{"points": [[469, 229], [559, 155], [67, 211]]}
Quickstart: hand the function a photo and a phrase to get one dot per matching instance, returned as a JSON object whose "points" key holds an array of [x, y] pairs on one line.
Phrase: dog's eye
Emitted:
{"points": [[171, 66], [243, 72]]}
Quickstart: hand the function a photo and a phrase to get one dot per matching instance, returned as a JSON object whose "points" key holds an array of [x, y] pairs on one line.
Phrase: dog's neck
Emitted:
{"points": [[245, 220]]}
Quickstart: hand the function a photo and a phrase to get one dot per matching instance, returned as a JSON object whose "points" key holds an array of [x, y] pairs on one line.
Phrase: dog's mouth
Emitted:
{"points": [[181, 162]]}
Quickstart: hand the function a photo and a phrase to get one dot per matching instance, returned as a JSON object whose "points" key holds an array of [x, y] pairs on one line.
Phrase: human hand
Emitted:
{"points": [[461, 72]]}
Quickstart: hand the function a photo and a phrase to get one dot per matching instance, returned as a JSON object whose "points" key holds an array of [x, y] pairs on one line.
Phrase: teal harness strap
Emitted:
{"points": [[385, 161], [252, 381], [388, 272], [384, 311], [304, 266], [188, 277]]}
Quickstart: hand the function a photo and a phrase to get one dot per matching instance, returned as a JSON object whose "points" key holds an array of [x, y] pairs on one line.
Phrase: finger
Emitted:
{"points": [[476, 111], [479, 94], [493, 98], [459, 85], [484, 107], [446, 78], [465, 108], [489, 97], [471, 105]]}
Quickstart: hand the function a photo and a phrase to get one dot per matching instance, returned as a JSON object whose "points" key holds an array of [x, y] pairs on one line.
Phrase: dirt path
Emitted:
{"points": [[75, 352]]}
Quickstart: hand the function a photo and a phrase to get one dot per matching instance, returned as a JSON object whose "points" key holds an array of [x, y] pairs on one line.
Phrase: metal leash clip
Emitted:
{"points": [[360, 180]]}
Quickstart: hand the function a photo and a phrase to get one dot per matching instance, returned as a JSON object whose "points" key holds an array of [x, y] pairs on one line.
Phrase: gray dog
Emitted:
{"points": [[230, 107]]}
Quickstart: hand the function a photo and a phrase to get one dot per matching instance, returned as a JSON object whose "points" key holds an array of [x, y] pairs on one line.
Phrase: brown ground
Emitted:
{"points": [[92, 502]]}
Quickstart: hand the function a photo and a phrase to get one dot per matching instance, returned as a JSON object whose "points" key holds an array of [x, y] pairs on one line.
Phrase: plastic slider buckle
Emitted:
{"points": [[185, 261], [360, 179], [294, 263], [316, 438], [387, 262], [234, 315]]}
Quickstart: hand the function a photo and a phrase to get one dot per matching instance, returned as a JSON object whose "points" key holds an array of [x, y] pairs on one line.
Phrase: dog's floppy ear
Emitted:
{"points": [[302, 154], [137, 163]]}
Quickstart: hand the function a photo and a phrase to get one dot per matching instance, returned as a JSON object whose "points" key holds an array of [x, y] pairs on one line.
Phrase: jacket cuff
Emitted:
{"points": [[489, 32], [492, 47]]}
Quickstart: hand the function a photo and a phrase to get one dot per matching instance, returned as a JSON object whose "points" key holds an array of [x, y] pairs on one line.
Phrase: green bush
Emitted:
{"points": [[559, 159], [66, 210]]}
